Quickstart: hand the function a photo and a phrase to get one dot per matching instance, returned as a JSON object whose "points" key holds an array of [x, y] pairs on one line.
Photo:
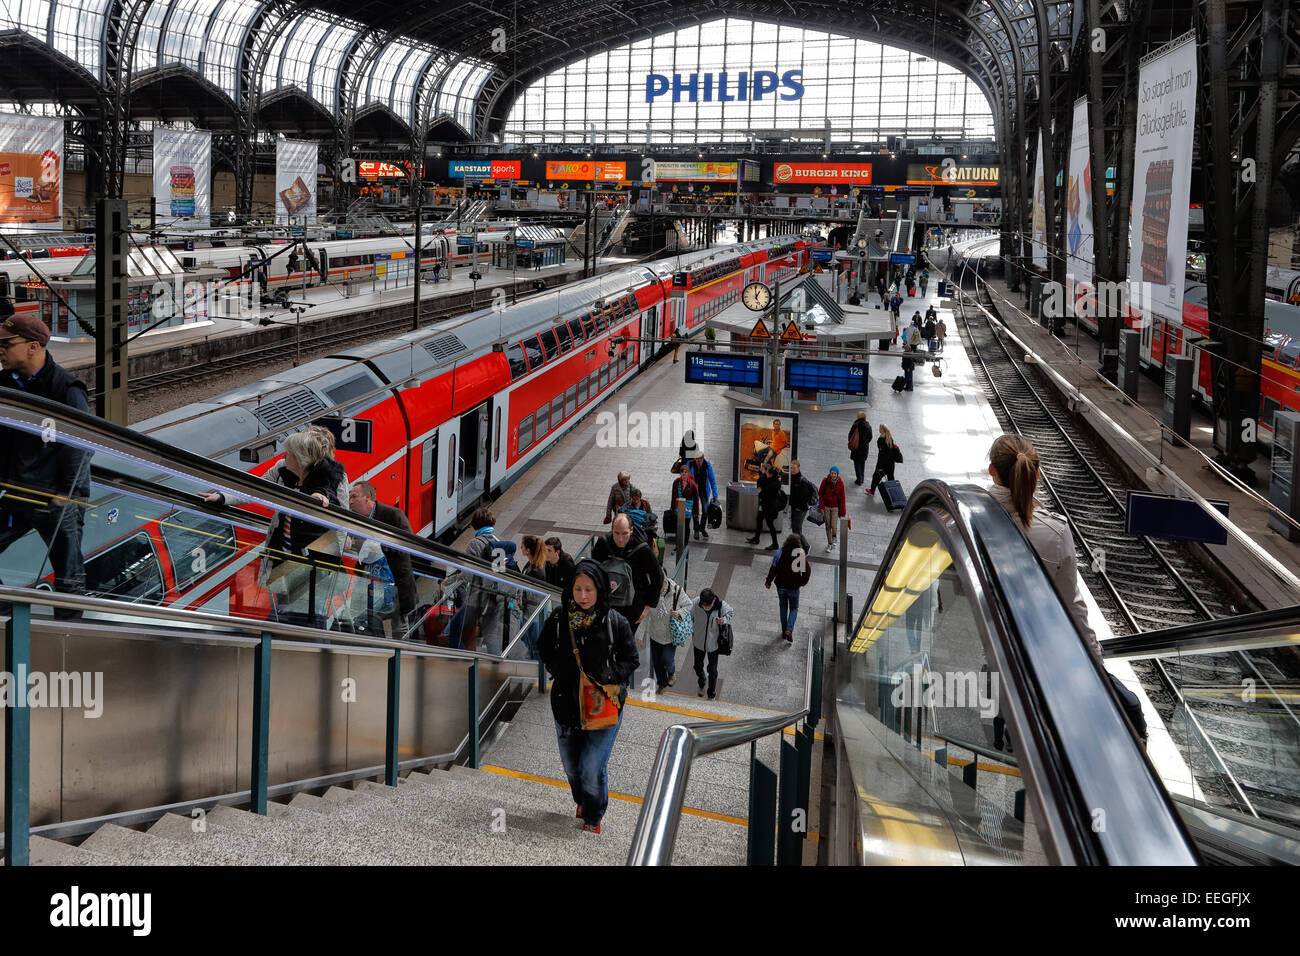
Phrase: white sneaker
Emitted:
{"points": [[830, 548]]}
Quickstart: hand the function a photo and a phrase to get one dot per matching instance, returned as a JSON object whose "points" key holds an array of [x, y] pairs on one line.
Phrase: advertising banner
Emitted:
{"points": [[485, 168], [822, 173], [295, 182], [182, 177], [31, 172], [709, 172], [1039, 224], [586, 170], [1162, 179], [952, 173], [1078, 205]]}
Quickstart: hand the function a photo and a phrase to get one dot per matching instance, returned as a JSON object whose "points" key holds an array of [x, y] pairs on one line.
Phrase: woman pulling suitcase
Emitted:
{"points": [[888, 455]]}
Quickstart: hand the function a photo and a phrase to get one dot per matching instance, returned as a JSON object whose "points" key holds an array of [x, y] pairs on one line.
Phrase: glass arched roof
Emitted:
{"points": [[75, 29]]}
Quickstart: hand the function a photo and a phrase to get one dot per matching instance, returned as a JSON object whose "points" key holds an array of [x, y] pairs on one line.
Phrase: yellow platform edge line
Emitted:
{"points": [[701, 714]]}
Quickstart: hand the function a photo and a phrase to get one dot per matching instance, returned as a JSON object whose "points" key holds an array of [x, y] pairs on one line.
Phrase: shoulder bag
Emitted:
{"points": [[898, 455], [597, 703], [681, 628]]}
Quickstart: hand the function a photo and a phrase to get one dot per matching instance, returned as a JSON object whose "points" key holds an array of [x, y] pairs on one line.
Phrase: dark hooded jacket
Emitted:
{"points": [[608, 652], [324, 477]]}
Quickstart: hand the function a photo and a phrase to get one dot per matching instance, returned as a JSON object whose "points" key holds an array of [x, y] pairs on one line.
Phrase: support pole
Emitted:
{"points": [[110, 298]]}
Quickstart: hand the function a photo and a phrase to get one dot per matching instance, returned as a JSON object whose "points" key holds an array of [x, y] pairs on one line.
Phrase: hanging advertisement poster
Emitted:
{"points": [[764, 435], [1162, 179], [295, 182], [182, 177], [1078, 205], [31, 172], [1039, 224]]}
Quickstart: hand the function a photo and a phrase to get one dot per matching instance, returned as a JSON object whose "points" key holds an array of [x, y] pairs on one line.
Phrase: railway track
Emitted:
{"points": [[1244, 754]]}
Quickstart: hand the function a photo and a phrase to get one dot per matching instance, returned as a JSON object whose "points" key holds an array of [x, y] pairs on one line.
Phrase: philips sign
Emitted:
{"points": [[708, 87]]}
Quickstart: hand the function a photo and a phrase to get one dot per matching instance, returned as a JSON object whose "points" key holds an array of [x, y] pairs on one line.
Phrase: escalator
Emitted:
{"points": [[974, 727], [202, 639]]}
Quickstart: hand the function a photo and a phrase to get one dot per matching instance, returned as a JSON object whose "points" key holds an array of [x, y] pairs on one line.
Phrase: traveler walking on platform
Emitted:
{"points": [[709, 616], [437, 271], [657, 631], [1014, 467], [859, 446], [585, 638], [769, 505], [643, 518], [940, 333], [55, 472], [620, 493], [677, 343], [559, 566], [791, 570], [635, 576], [895, 303], [685, 488], [803, 495], [833, 500], [928, 332], [925, 281], [887, 456], [908, 363], [706, 489]]}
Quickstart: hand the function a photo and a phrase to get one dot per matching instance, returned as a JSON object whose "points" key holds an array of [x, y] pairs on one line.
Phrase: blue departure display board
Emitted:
{"points": [[720, 368], [820, 375]]}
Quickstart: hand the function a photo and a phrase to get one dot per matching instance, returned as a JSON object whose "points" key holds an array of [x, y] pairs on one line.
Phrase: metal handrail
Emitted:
{"points": [[1276, 627], [656, 827], [29, 412]]}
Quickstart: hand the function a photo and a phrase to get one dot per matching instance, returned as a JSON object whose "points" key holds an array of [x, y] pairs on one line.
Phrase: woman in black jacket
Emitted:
{"points": [[887, 455], [603, 640], [769, 490], [859, 452]]}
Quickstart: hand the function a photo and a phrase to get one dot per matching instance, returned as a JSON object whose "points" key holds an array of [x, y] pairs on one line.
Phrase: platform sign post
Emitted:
{"points": [[1177, 415], [1129, 361], [1284, 475]]}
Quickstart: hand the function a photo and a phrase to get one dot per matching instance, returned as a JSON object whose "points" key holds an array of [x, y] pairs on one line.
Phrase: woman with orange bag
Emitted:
{"points": [[589, 650]]}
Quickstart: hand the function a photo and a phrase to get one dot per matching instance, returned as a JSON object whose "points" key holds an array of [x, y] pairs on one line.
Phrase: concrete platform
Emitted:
{"points": [[1074, 357]]}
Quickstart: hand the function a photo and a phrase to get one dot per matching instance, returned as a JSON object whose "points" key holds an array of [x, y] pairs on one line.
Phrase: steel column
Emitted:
{"points": [[18, 738]]}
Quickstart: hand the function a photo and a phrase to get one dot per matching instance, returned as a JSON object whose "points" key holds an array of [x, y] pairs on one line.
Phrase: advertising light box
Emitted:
{"points": [[822, 173], [485, 169]]}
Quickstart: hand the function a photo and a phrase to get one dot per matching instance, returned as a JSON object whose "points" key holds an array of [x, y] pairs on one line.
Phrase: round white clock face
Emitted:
{"points": [[756, 296]]}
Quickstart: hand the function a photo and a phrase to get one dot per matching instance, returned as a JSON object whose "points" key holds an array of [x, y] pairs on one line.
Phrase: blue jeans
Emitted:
{"points": [[860, 470], [789, 601], [585, 755], [664, 659]]}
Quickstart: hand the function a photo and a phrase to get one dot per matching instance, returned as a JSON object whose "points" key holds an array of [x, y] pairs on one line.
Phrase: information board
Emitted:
{"points": [[821, 375], [717, 368], [1181, 519]]}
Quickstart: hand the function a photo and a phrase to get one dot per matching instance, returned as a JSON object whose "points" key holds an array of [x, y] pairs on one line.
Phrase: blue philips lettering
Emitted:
{"points": [[744, 90], [722, 89], [708, 87], [791, 80], [656, 84], [679, 87], [764, 82]]}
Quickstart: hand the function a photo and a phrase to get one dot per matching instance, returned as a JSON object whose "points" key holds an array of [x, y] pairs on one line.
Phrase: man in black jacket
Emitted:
{"points": [[803, 495], [42, 482], [361, 499], [647, 576], [559, 565], [769, 492]]}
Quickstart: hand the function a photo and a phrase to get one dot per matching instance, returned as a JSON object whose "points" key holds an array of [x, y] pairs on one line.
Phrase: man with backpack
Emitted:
{"points": [[803, 495], [644, 520], [635, 577], [706, 489], [482, 618], [928, 332]]}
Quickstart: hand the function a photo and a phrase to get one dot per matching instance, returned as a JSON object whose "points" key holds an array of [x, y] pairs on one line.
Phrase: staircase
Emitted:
{"points": [[517, 811]]}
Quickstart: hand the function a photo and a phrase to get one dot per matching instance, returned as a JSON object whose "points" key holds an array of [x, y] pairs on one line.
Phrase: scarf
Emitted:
{"points": [[580, 620]]}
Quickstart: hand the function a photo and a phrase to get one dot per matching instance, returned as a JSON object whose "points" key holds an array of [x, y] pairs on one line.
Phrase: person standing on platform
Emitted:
{"points": [[803, 495], [887, 456], [706, 488], [584, 635], [686, 489], [928, 332], [769, 495], [559, 565], [791, 570], [940, 333], [677, 343], [908, 363], [833, 500], [31, 468], [708, 616], [437, 271], [620, 495], [859, 446]]}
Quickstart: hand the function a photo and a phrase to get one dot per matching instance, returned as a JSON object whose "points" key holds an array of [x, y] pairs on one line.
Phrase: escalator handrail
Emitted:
{"points": [[118, 440], [1072, 739], [1275, 627]]}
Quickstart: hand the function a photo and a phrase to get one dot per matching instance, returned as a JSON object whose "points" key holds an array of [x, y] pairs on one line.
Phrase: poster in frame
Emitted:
{"points": [[764, 434]]}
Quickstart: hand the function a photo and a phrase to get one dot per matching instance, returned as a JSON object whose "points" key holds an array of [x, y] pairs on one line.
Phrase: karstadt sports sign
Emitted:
{"points": [[822, 173]]}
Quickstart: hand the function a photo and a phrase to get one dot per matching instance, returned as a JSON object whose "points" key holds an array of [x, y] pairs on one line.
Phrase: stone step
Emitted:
{"points": [[47, 852], [127, 847]]}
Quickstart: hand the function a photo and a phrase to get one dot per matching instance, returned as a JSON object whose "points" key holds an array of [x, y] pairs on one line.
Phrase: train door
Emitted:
{"points": [[473, 453], [645, 328], [447, 490]]}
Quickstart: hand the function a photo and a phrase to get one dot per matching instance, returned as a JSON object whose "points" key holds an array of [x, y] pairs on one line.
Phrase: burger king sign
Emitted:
{"points": [[858, 174]]}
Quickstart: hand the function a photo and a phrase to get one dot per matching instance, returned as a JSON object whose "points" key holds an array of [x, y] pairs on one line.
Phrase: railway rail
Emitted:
{"points": [[1242, 753]]}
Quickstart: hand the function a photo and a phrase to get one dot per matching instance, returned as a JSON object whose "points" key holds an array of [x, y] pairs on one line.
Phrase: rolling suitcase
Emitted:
{"points": [[891, 493], [900, 383]]}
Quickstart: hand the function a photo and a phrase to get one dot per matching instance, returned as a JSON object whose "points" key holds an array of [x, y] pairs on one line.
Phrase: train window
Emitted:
{"points": [[533, 349], [429, 459], [593, 383], [570, 400], [599, 319], [518, 364], [525, 434], [1271, 407], [582, 391], [496, 439], [1287, 356], [548, 342], [557, 411], [196, 545], [543, 421], [451, 466], [588, 326], [127, 570], [576, 328], [604, 377], [562, 334], [344, 392]]}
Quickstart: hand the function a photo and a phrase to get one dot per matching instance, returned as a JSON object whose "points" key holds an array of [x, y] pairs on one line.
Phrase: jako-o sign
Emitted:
{"points": [[707, 87]]}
